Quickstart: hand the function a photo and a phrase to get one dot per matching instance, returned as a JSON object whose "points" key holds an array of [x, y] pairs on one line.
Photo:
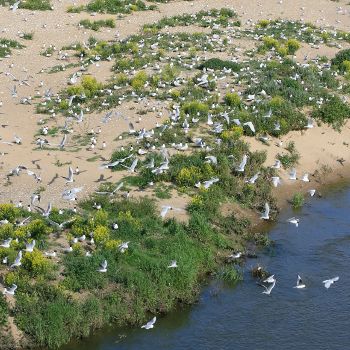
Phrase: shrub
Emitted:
{"points": [[298, 200], [36, 263], [230, 275], [8, 212], [270, 42], [263, 23], [232, 99], [218, 64], [334, 112], [340, 57], [292, 46], [139, 80], [101, 235]]}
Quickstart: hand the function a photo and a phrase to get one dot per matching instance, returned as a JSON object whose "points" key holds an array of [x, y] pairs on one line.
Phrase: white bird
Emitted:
{"points": [[14, 7], [103, 266], [293, 174], [70, 195], [211, 160], [253, 179], [277, 164], [276, 181], [11, 290], [18, 259], [311, 192], [6, 243], [173, 264], [270, 279], [70, 177], [165, 210], [294, 221], [250, 126], [310, 124], [300, 283], [328, 283], [305, 178], [30, 246], [235, 255], [241, 166], [150, 324], [132, 167], [46, 213], [123, 247], [265, 214], [268, 289]]}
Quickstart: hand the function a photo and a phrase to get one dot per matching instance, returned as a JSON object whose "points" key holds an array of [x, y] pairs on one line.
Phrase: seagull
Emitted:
{"points": [[270, 279], [241, 167], [293, 174], [132, 167], [61, 225], [10, 291], [265, 214], [305, 178], [173, 264], [123, 247], [253, 179], [328, 283], [70, 195], [45, 213], [165, 210], [268, 289], [30, 246], [277, 164], [18, 259], [311, 192], [250, 126], [276, 181], [63, 141], [294, 221], [150, 324], [310, 124], [103, 267], [70, 177], [235, 255], [6, 243], [300, 283]]}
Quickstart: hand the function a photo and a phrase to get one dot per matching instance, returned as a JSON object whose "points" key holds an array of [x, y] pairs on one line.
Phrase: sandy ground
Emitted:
{"points": [[320, 146]]}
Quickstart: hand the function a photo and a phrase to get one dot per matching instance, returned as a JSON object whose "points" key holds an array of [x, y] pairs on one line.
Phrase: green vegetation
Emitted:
{"points": [[28, 36], [298, 200], [96, 25], [290, 159], [40, 5], [112, 6], [6, 47]]}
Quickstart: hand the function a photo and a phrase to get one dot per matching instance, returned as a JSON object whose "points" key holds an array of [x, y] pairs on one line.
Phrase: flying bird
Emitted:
{"points": [[150, 324], [329, 282]]}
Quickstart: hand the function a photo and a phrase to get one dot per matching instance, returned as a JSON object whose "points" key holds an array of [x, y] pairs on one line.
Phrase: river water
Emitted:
{"points": [[242, 317]]}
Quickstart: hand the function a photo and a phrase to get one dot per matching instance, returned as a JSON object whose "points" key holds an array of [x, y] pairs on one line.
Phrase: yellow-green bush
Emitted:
{"points": [[126, 216], [270, 42], [101, 234], [292, 46], [232, 99], [8, 212], [36, 263], [263, 23], [139, 81], [233, 134], [188, 176]]}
